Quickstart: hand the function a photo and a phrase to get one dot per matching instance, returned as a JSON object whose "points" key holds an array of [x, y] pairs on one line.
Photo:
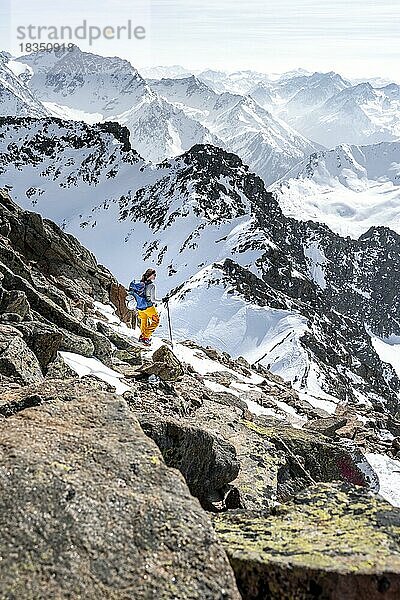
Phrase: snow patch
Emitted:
{"points": [[388, 471], [316, 261], [388, 350], [92, 366]]}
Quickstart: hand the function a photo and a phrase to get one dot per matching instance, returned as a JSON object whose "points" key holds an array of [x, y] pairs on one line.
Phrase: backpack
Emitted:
{"points": [[130, 302], [137, 296]]}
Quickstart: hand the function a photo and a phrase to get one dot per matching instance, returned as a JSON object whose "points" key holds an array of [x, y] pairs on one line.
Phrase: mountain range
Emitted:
{"points": [[350, 188], [271, 122], [268, 206]]}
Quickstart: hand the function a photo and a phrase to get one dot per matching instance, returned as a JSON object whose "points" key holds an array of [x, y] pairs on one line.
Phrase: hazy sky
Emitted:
{"points": [[354, 37]]}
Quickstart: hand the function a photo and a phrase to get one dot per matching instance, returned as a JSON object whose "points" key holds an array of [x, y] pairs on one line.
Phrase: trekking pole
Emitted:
{"points": [[169, 324]]}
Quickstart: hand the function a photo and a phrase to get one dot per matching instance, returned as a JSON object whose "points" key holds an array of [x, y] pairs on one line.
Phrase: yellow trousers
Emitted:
{"points": [[149, 321]]}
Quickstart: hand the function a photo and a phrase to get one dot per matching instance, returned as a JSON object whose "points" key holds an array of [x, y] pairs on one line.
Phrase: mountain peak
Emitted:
{"points": [[203, 153]]}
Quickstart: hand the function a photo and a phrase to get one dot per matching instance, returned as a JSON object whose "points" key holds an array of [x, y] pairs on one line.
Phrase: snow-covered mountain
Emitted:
{"points": [[242, 82], [15, 98], [78, 85], [350, 188], [357, 115], [57, 167], [312, 92], [239, 82], [264, 94], [316, 86], [291, 295], [191, 93], [159, 129], [264, 142], [85, 82], [324, 107], [268, 121], [173, 71]]}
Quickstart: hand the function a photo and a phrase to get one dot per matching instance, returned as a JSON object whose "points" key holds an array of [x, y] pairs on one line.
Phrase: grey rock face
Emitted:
{"points": [[121, 342], [48, 283], [207, 462], [16, 302], [276, 460], [16, 359], [44, 340], [75, 343], [59, 369], [99, 515]]}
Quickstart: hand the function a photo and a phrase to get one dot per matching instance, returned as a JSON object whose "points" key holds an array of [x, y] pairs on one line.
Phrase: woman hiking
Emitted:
{"points": [[147, 312]]}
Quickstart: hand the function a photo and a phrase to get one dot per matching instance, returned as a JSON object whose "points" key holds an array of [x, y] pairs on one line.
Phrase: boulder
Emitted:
{"points": [[120, 341], [59, 369], [133, 356], [10, 318], [16, 302], [207, 462], [332, 542], [165, 365], [75, 343], [43, 339], [94, 511], [327, 426], [16, 359]]}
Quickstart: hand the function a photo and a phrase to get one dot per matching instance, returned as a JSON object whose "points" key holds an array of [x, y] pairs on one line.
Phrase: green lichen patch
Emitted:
{"points": [[327, 527]]}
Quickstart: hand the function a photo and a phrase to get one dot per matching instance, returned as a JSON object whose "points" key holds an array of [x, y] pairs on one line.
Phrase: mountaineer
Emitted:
{"points": [[144, 293]]}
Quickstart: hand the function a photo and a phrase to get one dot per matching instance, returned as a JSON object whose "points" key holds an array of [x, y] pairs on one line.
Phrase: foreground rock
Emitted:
{"points": [[207, 462], [331, 542], [89, 509]]}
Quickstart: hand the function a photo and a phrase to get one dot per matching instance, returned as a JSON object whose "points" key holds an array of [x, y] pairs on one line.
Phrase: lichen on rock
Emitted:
{"points": [[332, 541]]}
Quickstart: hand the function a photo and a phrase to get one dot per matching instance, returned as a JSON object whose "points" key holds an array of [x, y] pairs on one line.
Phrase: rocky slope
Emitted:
{"points": [[98, 505], [94, 511]]}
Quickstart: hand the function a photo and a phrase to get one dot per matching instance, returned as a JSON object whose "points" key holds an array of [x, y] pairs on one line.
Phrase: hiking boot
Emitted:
{"points": [[145, 341]]}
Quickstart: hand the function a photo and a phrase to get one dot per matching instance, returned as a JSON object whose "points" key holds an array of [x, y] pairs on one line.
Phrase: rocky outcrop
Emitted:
{"points": [[207, 462], [94, 512], [17, 361], [98, 508], [310, 457], [164, 365], [43, 339], [48, 285], [331, 542], [276, 460]]}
